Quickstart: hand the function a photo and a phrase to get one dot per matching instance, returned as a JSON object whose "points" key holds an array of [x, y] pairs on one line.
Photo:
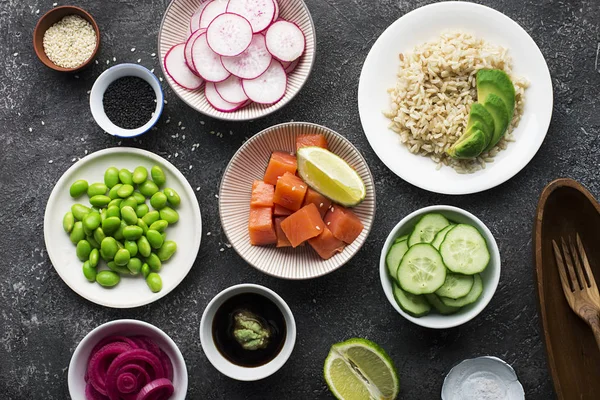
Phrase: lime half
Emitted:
{"points": [[331, 176], [359, 369]]}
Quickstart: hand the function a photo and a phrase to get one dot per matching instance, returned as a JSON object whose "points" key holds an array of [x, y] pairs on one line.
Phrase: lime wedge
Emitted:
{"points": [[331, 176], [359, 369]]}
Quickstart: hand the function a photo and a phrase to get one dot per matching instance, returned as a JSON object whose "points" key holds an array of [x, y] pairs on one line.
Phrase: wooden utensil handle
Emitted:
{"points": [[592, 316]]}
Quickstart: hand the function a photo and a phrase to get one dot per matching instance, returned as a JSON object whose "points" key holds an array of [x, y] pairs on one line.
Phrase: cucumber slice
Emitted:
{"points": [[421, 270], [401, 239], [464, 250], [471, 297], [443, 309], [415, 305], [455, 286], [394, 255], [439, 238], [427, 228]]}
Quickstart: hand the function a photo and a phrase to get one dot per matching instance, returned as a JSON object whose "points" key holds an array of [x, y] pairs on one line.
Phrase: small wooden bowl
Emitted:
{"points": [[49, 19]]}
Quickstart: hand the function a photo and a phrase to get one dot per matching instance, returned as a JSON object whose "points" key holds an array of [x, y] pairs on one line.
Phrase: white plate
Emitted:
{"points": [[131, 291], [426, 23]]}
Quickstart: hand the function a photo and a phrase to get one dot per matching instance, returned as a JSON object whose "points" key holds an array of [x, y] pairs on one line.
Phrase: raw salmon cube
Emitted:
{"points": [[260, 226], [311, 140], [279, 211], [262, 194], [279, 164], [290, 191], [343, 223], [322, 202], [302, 225], [282, 240], [326, 245]]}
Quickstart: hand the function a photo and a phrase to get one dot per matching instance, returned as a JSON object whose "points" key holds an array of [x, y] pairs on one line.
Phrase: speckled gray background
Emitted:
{"points": [[45, 124]]}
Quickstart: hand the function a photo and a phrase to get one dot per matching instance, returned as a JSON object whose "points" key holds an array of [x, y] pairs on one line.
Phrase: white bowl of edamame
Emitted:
{"points": [[440, 267]]}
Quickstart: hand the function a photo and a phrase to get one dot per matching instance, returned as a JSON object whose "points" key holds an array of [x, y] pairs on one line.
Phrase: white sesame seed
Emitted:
{"points": [[160, 79], [76, 76], [165, 101], [16, 54], [168, 121], [183, 137], [217, 196], [208, 233], [227, 245], [74, 159], [50, 161], [176, 154], [293, 188], [30, 129], [332, 209], [85, 152], [320, 205], [221, 249], [329, 223], [198, 189], [107, 62], [114, 58], [132, 49], [43, 123], [153, 55], [69, 42], [96, 62], [183, 128], [201, 122], [54, 4], [179, 123], [152, 70], [318, 227], [191, 166]]}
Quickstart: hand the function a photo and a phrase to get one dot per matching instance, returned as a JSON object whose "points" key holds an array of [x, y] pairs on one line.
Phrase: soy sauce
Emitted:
{"points": [[268, 314]]}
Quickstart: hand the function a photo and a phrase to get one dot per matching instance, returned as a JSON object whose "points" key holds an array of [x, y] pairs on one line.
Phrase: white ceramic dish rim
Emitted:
{"points": [[90, 338], [541, 121], [461, 317], [127, 150], [108, 77], [226, 367]]}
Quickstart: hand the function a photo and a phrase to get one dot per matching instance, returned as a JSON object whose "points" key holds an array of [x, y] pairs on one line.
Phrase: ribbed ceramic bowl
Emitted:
{"points": [[249, 164], [175, 29]]}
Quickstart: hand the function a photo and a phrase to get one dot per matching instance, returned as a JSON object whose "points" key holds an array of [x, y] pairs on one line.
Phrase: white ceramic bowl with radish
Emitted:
{"points": [[235, 59]]}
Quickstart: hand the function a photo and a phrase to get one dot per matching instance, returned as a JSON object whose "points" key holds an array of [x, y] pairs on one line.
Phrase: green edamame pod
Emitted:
{"points": [[77, 232], [89, 271], [94, 258], [122, 257], [134, 266], [68, 222], [84, 248], [144, 247], [130, 201], [80, 211], [125, 191], [119, 232], [113, 211], [78, 188], [132, 232], [93, 242], [151, 217], [154, 262], [154, 282], [108, 278], [169, 215], [140, 174], [166, 250], [100, 200], [109, 247], [141, 210], [129, 215], [138, 197], [111, 177], [96, 188], [158, 176], [113, 193], [154, 238], [172, 197], [110, 225], [158, 200], [115, 203], [145, 270], [161, 225], [148, 188], [125, 176], [132, 247], [142, 225], [92, 221], [99, 235]]}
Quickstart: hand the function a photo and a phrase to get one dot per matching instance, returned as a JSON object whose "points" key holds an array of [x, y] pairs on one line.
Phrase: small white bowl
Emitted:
{"points": [[225, 366], [490, 276], [125, 327], [108, 77]]}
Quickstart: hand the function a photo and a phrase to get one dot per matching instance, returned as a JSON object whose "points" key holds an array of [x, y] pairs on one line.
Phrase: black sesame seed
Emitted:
{"points": [[129, 102]]}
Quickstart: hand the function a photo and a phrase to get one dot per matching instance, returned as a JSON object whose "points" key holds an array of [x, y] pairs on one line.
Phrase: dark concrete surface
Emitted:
{"points": [[45, 123]]}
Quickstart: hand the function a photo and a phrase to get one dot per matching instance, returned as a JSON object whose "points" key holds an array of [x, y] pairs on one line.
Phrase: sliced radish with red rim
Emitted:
{"points": [[195, 19], [259, 12], [231, 90], [187, 51], [268, 88], [229, 34], [211, 11], [276, 14], [291, 66], [206, 62], [285, 41], [215, 100], [178, 70], [252, 62]]}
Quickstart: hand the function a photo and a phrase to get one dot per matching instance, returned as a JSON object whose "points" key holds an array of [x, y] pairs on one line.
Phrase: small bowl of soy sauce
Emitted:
{"points": [[126, 100], [247, 332]]}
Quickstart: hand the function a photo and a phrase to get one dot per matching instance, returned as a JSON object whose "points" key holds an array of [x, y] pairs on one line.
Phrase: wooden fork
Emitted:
{"points": [[578, 283]]}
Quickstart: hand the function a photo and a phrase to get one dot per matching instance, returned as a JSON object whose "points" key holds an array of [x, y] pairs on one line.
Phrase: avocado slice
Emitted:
{"points": [[497, 82], [480, 114], [497, 109], [470, 145]]}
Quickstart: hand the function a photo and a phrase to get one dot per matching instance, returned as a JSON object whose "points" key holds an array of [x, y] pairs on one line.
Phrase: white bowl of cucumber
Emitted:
{"points": [[440, 267]]}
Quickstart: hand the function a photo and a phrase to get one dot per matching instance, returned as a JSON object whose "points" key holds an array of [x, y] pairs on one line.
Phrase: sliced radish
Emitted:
{"points": [[291, 66], [231, 90], [285, 40], [195, 19], [211, 11], [187, 52], [252, 62], [215, 100], [229, 34], [268, 88], [276, 15], [206, 62], [178, 70], [259, 12]]}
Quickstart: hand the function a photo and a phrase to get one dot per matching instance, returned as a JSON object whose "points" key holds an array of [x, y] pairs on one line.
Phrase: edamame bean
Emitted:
{"points": [[113, 211], [130, 201], [139, 197], [107, 278], [115, 203], [102, 215], [93, 242], [134, 266], [132, 247], [158, 200], [172, 197], [80, 211], [169, 215], [94, 208], [113, 193], [154, 262], [142, 225], [94, 258], [164, 236], [154, 282], [78, 188], [121, 245], [145, 270], [69, 221], [111, 177], [96, 188], [100, 200], [110, 225], [155, 238], [122, 257], [144, 247], [151, 217], [87, 231], [125, 176], [132, 232], [159, 225], [92, 221], [158, 176], [84, 248], [148, 188], [118, 269], [140, 174], [125, 191], [99, 235], [119, 233], [128, 215], [109, 247], [77, 233], [166, 250], [89, 271], [141, 210]]}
